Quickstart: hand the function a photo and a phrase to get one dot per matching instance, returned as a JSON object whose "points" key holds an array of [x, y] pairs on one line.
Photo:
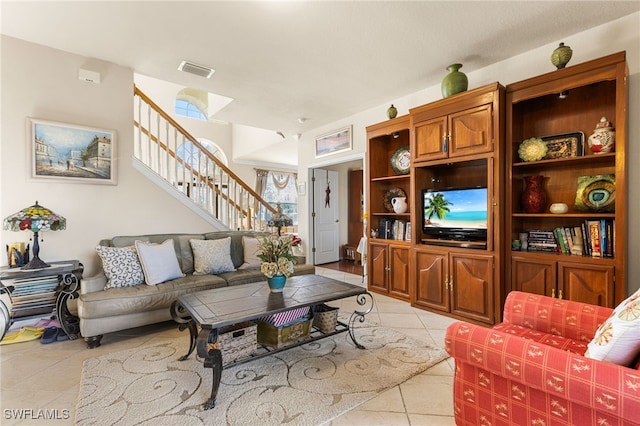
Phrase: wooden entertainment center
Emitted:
{"points": [[471, 140]]}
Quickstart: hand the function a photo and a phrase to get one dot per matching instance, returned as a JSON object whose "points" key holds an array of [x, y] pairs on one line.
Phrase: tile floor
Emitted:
{"points": [[34, 376]]}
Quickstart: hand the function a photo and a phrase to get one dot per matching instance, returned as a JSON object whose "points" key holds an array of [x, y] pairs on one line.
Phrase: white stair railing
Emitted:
{"points": [[186, 165]]}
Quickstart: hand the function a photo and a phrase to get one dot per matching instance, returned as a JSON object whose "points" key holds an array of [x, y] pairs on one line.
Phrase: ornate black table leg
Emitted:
{"points": [[69, 287], [361, 299], [212, 359], [179, 315]]}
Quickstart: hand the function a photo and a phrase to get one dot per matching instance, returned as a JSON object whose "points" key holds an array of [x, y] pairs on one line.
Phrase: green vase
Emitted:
{"points": [[276, 283], [561, 56], [454, 82], [392, 112]]}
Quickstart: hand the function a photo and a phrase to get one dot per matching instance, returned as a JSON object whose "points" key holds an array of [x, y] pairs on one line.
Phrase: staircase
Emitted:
{"points": [[172, 158]]}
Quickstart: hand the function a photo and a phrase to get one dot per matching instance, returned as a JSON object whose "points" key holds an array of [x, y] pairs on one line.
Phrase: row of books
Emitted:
{"points": [[593, 238], [394, 230]]}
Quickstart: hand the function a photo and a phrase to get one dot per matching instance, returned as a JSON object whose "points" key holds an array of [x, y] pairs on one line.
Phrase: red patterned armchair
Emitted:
{"points": [[530, 369]]}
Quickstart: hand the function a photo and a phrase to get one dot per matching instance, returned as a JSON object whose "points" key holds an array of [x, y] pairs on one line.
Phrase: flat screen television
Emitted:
{"points": [[455, 214]]}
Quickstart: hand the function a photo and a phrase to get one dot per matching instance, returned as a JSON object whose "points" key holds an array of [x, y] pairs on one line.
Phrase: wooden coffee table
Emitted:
{"points": [[204, 312]]}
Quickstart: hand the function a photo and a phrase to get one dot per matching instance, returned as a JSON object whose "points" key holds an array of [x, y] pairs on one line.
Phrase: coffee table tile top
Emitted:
{"points": [[226, 306]]}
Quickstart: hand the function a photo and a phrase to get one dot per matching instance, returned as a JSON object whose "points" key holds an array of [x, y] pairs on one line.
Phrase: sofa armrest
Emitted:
{"points": [[93, 284], [573, 320], [604, 386]]}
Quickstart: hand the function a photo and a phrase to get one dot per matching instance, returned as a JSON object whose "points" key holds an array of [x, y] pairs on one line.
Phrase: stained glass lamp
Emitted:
{"points": [[279, 220], [35, 219]]}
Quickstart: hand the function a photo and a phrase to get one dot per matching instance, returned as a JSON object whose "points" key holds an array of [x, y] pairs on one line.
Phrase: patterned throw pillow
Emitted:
{"points": [[250, 250], [121, 266], [617, 340], [159, 261], [212, 256]]}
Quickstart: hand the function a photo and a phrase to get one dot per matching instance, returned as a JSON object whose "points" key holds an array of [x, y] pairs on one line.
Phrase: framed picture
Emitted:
{"points": [[563, 146], [334, 142], [302, 188], [407, 235], [72, 153]]}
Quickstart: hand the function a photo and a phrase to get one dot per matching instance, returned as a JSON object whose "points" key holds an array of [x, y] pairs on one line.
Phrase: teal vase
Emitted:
{"points": [[454, 82], [276, 283]]}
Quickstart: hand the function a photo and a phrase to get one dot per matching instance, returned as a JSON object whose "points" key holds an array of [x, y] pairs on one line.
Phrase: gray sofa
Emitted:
{"points": [[103, 311]]}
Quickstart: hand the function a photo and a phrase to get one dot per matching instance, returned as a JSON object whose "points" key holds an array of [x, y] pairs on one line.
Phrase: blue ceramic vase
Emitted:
{"points": [[276, 283]]}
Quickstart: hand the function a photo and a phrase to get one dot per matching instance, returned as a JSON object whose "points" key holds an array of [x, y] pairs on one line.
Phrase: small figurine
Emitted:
{"points": [[603, 138]]}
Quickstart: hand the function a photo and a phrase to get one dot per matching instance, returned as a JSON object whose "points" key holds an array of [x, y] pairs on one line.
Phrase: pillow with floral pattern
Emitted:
{"points": [[617, 340]]}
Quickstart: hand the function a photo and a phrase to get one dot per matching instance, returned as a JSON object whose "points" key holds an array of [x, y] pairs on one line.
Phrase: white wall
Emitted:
{"points": [[622, 34], [43, 83]]}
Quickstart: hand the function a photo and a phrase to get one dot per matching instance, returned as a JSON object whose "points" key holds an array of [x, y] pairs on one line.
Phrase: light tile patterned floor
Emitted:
{"points": [[35, 376]]}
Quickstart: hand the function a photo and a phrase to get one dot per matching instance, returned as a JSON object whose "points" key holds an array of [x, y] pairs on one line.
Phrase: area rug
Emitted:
{"points": [[307, 385]]}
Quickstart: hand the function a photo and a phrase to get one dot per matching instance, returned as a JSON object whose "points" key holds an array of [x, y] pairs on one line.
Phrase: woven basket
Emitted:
{"points": [[325, 318]]}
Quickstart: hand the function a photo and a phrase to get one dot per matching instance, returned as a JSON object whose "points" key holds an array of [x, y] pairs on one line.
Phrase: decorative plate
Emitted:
{"points": [[596, 193], [390, 194], [532, 149], [401, 160]]}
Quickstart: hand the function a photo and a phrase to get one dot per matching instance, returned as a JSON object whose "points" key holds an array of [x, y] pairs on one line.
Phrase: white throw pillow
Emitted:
{"points": [[212, 256], [121, 266], [250, 250], [617, 340], [159, 261]]}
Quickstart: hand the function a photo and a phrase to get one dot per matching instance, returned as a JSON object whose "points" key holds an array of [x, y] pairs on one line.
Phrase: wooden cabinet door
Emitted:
{"points": [[430, 139], [399, 271], [533, 276], [593, 284], [471, 286], [471, 131], [378, 267], [430, 275]]}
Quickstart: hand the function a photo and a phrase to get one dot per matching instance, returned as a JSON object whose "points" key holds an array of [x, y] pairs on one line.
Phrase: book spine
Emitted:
{"points": [[594, 238], [586, 241]]}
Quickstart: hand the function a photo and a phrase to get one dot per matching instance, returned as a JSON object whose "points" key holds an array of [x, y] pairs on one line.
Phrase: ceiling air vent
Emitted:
{"points": [[198, 70]]}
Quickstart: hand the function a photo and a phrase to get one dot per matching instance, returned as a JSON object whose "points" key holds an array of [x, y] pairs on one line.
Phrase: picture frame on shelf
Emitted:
{"points": [[407, 233], [334, 142], [564, 146], [72, 153]]}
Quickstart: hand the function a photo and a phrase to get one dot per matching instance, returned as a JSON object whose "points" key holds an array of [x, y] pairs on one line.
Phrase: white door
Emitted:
{"points": [[325, 216]]}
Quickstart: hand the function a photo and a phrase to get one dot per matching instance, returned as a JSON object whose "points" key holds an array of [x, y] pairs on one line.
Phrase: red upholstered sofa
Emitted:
{"points": [[530, 369]]}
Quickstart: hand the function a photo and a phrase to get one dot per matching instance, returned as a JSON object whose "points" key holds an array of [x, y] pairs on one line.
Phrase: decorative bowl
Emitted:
{"points": [[532, 149]]}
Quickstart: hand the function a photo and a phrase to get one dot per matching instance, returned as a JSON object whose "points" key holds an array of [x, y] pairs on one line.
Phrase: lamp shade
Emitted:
{"points": [[35, 218]]}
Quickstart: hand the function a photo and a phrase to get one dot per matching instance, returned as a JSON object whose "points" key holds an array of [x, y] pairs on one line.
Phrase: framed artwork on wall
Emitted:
{"points": [[72, 153], [334, 142]]}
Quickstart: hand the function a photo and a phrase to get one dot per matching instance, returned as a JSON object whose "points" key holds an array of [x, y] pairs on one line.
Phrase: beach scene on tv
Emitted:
{"points": [[456, 208]]}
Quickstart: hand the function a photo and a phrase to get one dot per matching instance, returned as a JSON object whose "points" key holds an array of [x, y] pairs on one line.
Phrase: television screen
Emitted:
{"points": [[457, 208]]}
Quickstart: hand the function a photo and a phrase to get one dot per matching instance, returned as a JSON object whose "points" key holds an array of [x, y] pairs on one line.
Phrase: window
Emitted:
{"points": [[279, 187], [198, 161], [187, 109]]}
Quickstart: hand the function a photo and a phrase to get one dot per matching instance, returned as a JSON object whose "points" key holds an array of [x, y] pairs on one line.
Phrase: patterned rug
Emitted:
{"points": [[307, 385]]}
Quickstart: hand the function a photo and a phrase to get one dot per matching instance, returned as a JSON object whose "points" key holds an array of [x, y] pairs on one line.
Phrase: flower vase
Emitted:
{"points": [[276, 283], [533, 199], [454, 82]]}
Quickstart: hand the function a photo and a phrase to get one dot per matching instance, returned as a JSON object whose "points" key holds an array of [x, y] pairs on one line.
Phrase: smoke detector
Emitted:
{"points": [[199, 70]]}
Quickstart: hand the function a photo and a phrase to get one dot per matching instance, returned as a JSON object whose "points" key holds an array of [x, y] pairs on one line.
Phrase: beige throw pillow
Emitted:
{"points": [[250, 250], [212, 256]]}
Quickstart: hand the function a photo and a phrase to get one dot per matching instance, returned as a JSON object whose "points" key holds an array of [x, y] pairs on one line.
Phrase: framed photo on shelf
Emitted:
{"points": [[334, 142], [564, 146], [72, 153], [407, 234]]}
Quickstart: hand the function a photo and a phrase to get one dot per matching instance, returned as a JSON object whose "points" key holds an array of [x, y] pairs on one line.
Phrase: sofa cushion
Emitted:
{"points": [[143, 298], [250, 250], [181, 245], [159, 261], [121, 266], [559, 342], [237, 253], [617, 340], [212, 256]]}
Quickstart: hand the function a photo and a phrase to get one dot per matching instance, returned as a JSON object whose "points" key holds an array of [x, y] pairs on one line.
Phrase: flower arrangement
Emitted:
{"points": [[276, 256]]}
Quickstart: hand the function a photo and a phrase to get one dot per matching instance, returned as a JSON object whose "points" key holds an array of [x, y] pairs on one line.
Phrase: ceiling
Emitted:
{"points": [[321, 60]]}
